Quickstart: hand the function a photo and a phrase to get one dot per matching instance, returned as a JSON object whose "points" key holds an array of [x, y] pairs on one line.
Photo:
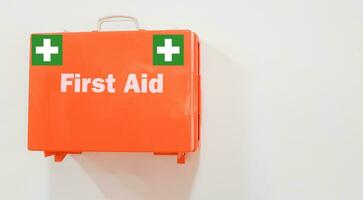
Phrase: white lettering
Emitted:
{"points": [[80, 84], [65, 81], [156, 84], [132, 84]]}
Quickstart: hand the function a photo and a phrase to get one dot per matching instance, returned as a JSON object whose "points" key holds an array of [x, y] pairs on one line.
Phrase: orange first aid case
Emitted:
{"points": [[114, 91]]}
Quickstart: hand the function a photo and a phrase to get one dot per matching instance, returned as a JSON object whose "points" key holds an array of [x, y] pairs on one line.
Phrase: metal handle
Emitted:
{"points": [[117, 18]]}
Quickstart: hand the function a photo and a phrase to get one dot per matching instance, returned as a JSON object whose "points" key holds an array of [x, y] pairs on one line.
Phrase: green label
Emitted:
{"points": [[168, 49], [47, 49]]}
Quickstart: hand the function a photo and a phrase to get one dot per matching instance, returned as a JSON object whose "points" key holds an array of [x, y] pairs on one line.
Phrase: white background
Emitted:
{"points": [[282, 104]]}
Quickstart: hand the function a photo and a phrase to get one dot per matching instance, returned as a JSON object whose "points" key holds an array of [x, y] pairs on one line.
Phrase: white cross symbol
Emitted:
{"points": [[168, 50], [47, 50]]}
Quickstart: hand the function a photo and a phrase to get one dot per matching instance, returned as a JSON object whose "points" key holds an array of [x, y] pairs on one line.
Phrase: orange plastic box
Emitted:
{"points": [[114, 91]]}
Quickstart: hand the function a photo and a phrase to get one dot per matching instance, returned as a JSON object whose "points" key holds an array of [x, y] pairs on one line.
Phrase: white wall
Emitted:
{"points": [[282, 103]]}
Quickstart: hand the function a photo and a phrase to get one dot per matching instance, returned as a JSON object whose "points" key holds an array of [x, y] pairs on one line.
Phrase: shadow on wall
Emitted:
{"points": [[145, 176]]}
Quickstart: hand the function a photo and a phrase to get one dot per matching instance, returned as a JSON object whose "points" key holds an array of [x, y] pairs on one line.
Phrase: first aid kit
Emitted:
{"points": [[114, 91]]}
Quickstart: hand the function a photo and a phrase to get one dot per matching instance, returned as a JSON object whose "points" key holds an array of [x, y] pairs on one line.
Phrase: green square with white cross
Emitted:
{"points": [[47, 49], [168, 49]]}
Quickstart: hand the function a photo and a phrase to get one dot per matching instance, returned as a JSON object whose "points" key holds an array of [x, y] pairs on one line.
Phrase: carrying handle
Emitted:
{"points": [[117, 18]]}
